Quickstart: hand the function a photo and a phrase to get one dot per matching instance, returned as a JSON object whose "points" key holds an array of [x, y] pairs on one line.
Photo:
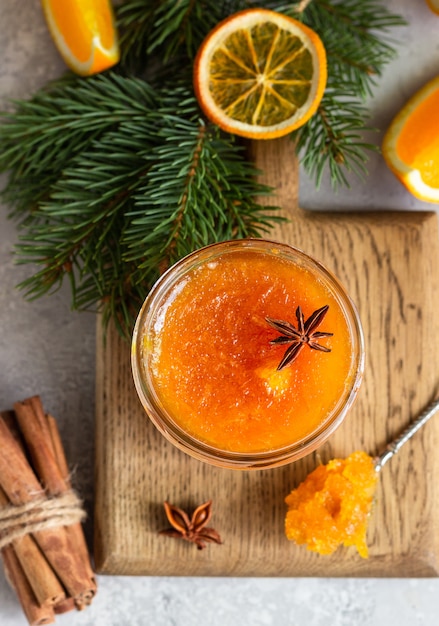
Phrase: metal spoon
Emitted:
{"points": [[394, 446]]}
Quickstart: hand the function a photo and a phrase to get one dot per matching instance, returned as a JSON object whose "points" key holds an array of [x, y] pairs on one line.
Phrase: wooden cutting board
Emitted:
{"points": [[389, 264]]}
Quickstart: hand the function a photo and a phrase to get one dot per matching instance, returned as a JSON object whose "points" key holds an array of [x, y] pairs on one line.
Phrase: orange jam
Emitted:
{"points": [[212, 367], [332, 506]]}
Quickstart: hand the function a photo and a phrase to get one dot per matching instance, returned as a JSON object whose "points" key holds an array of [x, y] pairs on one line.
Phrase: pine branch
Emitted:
{"points": [[182, 25], [335, 142], [147, 186], [166, 29], [210, 184], [358, 46], [74, 227], [349, 30], [135, 20], [356, 35], [113, 178], [41, 137]]}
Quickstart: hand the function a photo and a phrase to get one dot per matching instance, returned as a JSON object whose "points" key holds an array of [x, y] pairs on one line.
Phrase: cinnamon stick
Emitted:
{"points": [[11, 422], [76, 532], [66, 605], [21, 486], [37, 406], [36, 614], [58, 448], [22, 483], [39, 446], [45, 585], [43, 440]]}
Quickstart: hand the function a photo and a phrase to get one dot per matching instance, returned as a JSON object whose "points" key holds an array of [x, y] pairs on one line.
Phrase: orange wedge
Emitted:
{"points": [[434, 5], [260, 74], [84, 33], [411, 143]]}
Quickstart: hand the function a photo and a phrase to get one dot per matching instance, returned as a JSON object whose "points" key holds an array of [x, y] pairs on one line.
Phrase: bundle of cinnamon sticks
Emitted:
{"points": [[44, 553]]}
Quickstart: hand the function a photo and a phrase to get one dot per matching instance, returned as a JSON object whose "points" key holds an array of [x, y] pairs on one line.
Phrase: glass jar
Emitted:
{"points": [[206, 357]]}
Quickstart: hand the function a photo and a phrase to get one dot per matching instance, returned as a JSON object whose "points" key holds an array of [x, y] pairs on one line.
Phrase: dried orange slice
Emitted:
{"points": [[260, 74], [411, 143], [84, 33], [434, 5]]}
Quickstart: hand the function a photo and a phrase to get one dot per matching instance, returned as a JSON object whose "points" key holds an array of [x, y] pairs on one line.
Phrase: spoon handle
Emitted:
{"points": [[393, 447]]}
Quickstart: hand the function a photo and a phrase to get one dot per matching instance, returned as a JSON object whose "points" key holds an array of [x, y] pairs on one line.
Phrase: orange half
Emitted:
{"points": [[411, 143], [84, 33], [260, 74]]}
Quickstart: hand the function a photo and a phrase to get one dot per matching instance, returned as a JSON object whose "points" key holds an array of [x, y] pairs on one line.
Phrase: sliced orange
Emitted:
{"points": [[260, 74], [411, 143], [434, 5], [84, 33]]}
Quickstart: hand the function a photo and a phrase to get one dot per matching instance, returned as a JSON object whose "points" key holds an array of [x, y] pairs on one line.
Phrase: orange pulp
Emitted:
{"points": [[418, 142], [213, 367], [332, 506]]}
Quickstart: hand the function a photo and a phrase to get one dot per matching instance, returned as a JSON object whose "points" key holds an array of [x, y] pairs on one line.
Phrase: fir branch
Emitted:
{"points": [[335, 142], [356, 36], [147, 186], [113, 177], [197, 176], [74, 228], [349, 31], [134, 21], [182, 25], [210, 184], [41, 137], [165, 29]]}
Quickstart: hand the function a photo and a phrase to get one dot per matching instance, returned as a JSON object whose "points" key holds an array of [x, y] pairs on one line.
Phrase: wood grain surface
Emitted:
{"points": [[389, 263]]}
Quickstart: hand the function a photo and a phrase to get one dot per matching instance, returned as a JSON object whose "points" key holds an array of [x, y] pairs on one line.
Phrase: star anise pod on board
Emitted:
{"points": [[303, 335], [193, 529]]}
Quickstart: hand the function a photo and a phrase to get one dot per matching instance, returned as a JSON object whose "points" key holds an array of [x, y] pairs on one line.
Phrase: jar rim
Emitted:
{"points": [[204, 451]]}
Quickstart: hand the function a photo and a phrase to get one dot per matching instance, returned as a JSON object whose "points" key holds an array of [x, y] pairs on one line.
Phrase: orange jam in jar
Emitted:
{"points": [[206, 354]]}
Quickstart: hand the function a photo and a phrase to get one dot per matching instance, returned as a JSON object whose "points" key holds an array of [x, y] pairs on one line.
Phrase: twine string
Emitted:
{"points": [[16, 521]]}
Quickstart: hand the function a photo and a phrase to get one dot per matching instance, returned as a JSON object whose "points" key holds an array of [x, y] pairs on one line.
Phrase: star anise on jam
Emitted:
{"points": [[304, 335], [193, 529]]}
